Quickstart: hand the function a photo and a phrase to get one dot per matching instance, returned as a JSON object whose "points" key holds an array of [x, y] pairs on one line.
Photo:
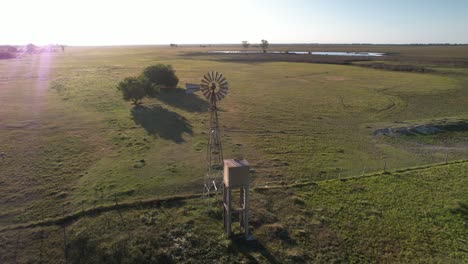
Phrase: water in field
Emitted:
{"points": [[329, 53]]}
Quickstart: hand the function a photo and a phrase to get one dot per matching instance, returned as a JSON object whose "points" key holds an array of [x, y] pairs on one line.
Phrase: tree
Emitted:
{"points": [[245, 44], [133, 89], [161, 75], [264, 45], [30, 48]]}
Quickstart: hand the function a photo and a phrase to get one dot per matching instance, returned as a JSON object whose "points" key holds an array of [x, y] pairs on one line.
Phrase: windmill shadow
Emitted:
{"points": [[249, 247], [179, 98], [161, 122]]}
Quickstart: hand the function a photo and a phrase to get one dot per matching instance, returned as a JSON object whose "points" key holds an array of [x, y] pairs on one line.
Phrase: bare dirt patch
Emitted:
{"points": [[335, 78]]}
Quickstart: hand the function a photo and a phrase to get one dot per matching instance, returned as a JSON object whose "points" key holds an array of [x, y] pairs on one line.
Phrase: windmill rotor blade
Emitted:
{"points": [[204, 85], [220, 77], [205, 91], [220, 96], [216, 77], [223, 92], [223, 84], [211, 75], [207, 78], [205, 81], [224, 87]]}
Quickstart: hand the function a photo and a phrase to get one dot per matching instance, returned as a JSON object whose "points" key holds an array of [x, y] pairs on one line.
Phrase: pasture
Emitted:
{"points": [[71, 145]]}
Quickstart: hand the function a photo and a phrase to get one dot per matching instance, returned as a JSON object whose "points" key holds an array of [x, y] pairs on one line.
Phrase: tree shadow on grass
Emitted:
{"points": [[249, 247], [178, 98], [461, 209], [161, 122]]}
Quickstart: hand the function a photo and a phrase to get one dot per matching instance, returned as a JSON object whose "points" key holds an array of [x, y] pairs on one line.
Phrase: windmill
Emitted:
{"points": [[214, 87]]}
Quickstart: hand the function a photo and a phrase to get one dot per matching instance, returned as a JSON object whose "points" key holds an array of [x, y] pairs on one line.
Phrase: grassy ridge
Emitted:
{"points": [[416, 216]]}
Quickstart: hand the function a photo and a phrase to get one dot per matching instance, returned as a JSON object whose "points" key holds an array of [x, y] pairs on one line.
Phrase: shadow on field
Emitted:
{"points": [[462, 210], [249, 247], [161, 122], [178, 98]]}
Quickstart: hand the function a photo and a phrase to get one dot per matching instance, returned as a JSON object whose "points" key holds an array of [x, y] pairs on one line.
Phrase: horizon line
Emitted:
{"points": [[276, 43]]}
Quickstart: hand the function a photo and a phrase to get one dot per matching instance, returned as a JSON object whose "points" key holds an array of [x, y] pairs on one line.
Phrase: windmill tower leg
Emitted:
{"points": [[213, 178], [245, 220]]}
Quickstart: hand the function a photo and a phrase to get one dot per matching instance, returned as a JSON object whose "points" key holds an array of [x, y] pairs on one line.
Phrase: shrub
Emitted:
{"points": [[6, 55], [161, 75]]}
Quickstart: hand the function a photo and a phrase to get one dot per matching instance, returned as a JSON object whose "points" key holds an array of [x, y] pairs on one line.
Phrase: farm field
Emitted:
{"points": [[307, 127]]}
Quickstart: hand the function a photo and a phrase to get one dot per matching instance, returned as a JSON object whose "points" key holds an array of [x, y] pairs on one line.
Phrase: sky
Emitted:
{"points": [[130, 22]]}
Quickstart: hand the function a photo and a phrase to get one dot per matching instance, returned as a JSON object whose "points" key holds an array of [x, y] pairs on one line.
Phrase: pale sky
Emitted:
{"points": [[127, 22]]}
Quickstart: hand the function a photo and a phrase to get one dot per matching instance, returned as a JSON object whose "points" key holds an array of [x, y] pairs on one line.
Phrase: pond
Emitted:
{"points": [[329, 53]]}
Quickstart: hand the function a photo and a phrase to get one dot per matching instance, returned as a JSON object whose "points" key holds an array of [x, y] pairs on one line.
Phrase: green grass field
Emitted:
{"points": [[72, 144]]}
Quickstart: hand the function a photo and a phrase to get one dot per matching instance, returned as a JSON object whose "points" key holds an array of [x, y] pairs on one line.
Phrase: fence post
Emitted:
{"points": [[65, 254]]}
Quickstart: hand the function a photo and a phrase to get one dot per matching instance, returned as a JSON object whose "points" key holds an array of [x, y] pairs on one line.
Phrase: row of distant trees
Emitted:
{"points": [[30, 48], [263, 45]]}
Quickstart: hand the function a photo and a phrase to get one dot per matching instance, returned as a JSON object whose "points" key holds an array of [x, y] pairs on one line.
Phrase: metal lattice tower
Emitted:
{"points": [[214, 88]]}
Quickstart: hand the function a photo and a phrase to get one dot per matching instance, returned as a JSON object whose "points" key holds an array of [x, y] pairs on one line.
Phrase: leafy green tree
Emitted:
{"points": [[161, 75], [133, 89], [264, 45], [151, 88]]}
